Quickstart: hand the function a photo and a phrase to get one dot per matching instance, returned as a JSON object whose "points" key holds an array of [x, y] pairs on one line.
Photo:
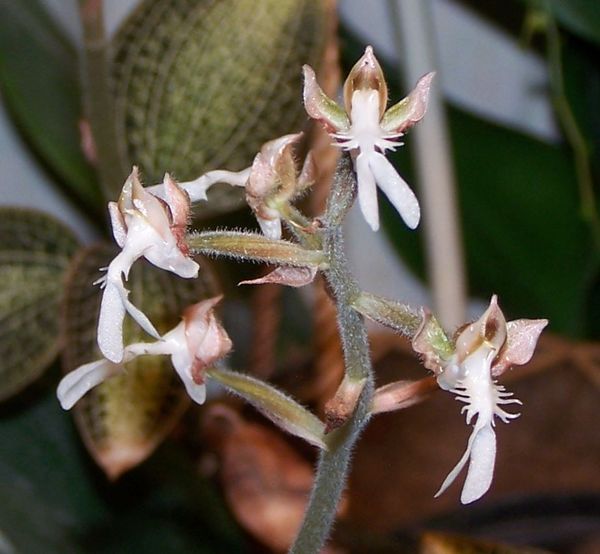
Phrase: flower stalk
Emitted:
{"points": [[333, 464], [98, 100], [255, 248]]}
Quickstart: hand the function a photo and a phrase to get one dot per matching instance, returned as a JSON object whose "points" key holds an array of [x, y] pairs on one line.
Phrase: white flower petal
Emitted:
{"points": [[110, 322], [271, 228], [481, 466], [458, 467], [77, 383], [367, 191], [182, 363], [169, 257], [396, 189], [140, 317]]}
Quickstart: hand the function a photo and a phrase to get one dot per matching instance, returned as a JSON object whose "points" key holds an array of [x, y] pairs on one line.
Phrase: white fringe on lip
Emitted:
{"points": [[483, 398]]}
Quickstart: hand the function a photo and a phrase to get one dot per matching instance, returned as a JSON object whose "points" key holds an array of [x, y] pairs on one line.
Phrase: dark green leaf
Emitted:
{"points": [[52, 499], [35, 250], [39, 452], [38, 75]]}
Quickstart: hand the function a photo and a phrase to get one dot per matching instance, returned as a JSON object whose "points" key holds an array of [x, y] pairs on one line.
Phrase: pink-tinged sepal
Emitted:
{"points": [[410, 110], [200, 342], [322, 108], [522, 337], [179, 207]]}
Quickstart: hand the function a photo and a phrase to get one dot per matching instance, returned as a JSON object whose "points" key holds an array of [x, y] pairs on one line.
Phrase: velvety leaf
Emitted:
{"points": [[27, 524], [524, 237], [124, 419], [201, 85], [35, 251], [39, 80], [52, 499]]}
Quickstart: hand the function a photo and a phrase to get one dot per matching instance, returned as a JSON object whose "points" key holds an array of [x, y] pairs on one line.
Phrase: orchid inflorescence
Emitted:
{"points": [[152, 223]]}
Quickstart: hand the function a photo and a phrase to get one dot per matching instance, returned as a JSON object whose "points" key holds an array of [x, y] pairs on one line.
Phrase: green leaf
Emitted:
{"points": [[35, 251], [39, 453], [201, 85], [39, 80], [28, 525], [52, 499], [123, 420]]}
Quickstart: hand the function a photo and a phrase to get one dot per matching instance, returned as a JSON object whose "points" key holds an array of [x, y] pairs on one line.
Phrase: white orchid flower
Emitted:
{"points": [[367, 129], [143, 226], [194, 344], [484, 350]]}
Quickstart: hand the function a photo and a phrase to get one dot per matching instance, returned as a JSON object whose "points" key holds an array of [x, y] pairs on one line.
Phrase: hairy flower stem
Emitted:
{"points": [[333, 464]]}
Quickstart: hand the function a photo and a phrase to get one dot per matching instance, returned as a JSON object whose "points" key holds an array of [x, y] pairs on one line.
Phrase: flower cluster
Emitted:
{"points": [[152, 226], [152, 223]]}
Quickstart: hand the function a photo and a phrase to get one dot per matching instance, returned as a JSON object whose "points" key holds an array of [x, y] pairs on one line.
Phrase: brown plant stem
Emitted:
{"points": [[98, 100]]}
